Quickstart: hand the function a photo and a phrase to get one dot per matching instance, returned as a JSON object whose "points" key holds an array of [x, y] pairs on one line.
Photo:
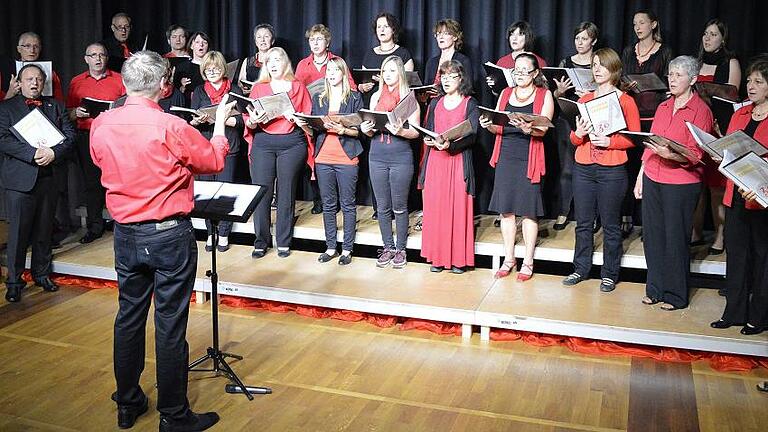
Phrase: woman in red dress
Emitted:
{"points": [[446, 175]]}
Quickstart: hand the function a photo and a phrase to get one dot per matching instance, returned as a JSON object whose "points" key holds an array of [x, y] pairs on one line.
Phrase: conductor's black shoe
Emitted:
{"points": [[47, 284], [127, 414], [90, 237], [13, 295], [192, 422], [317, 207]]}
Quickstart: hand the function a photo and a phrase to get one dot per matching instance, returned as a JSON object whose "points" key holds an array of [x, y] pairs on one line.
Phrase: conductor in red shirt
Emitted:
{"points": [[148, 159]]}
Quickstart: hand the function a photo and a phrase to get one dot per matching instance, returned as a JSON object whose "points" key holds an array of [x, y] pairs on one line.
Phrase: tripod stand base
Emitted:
{"points": [[220, 366]]}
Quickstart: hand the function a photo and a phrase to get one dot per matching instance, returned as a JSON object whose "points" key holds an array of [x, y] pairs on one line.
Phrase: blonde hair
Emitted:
{"points": [[288, 74], [346, 89], [402, 78], [213, 58]]}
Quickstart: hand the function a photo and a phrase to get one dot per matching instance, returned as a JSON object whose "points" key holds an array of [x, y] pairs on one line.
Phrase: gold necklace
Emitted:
{"points": [[647, 52], [517, 97]]}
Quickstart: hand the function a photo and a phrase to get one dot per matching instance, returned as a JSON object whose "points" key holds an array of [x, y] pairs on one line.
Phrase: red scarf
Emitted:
{"points": [[34, 102], [217, 95], [388, 100], [126, 50], [166, 91]]}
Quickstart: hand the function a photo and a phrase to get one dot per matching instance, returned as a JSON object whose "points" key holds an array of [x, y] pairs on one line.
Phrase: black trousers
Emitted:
{"points": [[281, 157], [95, 194], [601, 188], [341, 178], [746, 238], [161, 262], [667, 224], [226, 175], [30, 217], [566, 150]]}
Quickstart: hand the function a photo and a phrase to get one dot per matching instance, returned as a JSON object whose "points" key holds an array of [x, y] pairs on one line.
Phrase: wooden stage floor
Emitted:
{"points": [[327, 375], [474, 299]]}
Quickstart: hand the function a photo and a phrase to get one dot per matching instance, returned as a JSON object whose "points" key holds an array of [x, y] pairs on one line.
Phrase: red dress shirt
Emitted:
{"points": [[84, 85], [148, 159], [739, 121], [307, 73], [672, 126], [616, 152]]}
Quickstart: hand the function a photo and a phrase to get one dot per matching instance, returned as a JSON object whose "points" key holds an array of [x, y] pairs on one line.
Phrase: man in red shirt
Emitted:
{"points": [[97, 82], [148, 159]]}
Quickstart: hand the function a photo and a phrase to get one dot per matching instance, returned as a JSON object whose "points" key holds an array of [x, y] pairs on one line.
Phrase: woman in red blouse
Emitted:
{"points": [[669, 185], [447, 178], [718, 65], [518, 156], [746, 223], [600, 176], [278, 150]]}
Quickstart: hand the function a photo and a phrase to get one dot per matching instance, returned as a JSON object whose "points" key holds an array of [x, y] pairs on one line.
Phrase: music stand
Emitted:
{"points": [[217, 202]]}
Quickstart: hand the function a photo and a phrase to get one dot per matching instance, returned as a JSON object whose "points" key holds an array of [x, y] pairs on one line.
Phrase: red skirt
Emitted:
{"points": [[448, 234]]}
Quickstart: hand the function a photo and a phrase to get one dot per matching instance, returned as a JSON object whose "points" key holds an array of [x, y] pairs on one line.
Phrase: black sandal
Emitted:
{"points": [[669, 307], [762, 387], [649, 300]]}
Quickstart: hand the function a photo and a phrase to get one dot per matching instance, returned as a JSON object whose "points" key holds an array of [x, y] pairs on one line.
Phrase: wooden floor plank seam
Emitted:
{"points": [[36, 423], [456, 410]]}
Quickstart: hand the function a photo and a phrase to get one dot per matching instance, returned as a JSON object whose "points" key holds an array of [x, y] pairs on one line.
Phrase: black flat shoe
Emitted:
{"points": [[762, 387], [375, 215], [435, 269], [317, 208], [626, 229], [89, 237], [497, 222], [127, 414], [285, 253], [208, 248], [345, 259], [715, 251], [258, 253], [457, 270], [748, 330], [13, 294], [47, 284], [191, 423], [722, 324], [560, 226], [324, 257], [721, 292], [222, 248]]}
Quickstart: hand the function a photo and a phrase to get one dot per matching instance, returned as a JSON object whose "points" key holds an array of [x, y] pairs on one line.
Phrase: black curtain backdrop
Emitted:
{"points": [[66, 27]]}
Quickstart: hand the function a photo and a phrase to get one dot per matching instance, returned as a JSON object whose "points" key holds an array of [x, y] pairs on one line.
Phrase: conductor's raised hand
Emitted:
{"points": [[222, 114]]}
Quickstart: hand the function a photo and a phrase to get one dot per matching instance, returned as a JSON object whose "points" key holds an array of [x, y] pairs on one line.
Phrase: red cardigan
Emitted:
{"points": [[739, 121], [536, 163]]}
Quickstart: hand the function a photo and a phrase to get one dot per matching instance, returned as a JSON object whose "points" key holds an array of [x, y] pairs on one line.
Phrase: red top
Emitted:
{"points": [[300, 98], [84, 85], [615, 154], [147, 159], [672, 126], [307, 73], [508, 62], [332, 153], [705, 78], [536, 163], [739, 121]]}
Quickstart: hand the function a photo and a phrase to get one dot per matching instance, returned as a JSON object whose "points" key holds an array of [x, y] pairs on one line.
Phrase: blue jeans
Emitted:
{"points": [[160, 262], [343, 177], [601, 188]]}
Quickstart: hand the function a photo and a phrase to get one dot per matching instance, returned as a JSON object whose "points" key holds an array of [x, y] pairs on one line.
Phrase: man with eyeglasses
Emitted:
{"points": [[29, 48], [120, 45], [28, 176], [97, 82]]}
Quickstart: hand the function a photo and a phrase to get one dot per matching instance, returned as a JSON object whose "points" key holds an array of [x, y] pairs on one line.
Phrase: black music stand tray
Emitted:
{"points": [[218, 201]]}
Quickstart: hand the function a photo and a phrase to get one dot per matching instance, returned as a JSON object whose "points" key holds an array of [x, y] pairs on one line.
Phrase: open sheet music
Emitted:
{"points": [[96, 106], [749, 172], [47, 67], [209, 110], [232, 70], [37, 130], [501, 76], [400, 114], [707, 90], [723, 109], [226, 201], [581, 78], [317, 122], [642, 138], [275, 106], [455, 133], [736, 143], [646, 82], [502, 118], [604, 112]]}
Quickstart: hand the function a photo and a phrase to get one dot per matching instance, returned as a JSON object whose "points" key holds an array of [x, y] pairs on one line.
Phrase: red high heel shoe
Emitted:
{"points": [[522, 277], [505, 269]]}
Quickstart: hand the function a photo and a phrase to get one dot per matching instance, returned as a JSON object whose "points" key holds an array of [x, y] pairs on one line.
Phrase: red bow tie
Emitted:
{"points": [[35, 102]]}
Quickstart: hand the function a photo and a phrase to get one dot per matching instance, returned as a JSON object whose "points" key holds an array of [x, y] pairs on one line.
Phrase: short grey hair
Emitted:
{"points": [[689, 65], [30, 34], [142, 73]]}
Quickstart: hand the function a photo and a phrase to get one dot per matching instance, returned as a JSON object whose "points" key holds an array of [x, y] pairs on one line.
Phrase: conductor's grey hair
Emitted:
{"points": [[142, 73]]}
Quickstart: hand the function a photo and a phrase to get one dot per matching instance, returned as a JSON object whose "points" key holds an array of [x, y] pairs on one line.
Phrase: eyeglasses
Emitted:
{"points": [[522, 72], [96, 55], [212, 69], [29, 46], [443, 33], [124, 28], [450, 77], [316, 39]]}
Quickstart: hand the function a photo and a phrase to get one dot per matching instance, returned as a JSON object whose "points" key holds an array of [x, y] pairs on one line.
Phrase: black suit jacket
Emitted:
{"points": [[115, 51], [19, 170]]}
